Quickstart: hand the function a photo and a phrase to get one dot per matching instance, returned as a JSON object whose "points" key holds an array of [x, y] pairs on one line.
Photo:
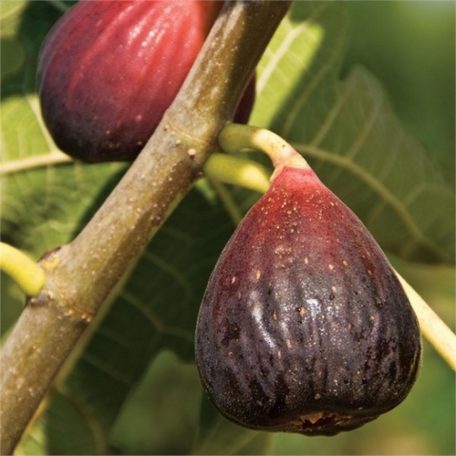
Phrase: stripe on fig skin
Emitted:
{"points": [[304, 326]]}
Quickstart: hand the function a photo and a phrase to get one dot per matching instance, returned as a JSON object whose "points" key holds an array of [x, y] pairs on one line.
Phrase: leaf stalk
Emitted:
{"points": [[237, 171], [22, 269]]}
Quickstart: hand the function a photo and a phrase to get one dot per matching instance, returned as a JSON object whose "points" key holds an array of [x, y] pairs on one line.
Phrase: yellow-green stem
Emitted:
{"points": [[241, 138], [437, 333], [22, 269], [237, 171]]}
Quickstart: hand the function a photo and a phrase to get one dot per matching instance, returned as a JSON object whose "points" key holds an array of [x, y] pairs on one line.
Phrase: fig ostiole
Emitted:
{"points": [[304, 326], [108, 70]]}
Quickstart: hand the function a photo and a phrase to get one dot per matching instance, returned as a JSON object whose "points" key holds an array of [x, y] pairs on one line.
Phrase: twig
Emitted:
{"points": [[22, 269], [437, 333], [237, 171], [81, 274], [35, 161]]}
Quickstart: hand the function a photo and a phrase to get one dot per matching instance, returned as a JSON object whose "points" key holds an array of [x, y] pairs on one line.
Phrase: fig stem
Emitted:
{"points": [[237, 171], [242, 138], [22, 269], [437, 333]]}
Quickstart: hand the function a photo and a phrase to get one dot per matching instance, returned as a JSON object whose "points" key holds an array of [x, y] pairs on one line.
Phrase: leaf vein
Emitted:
{"points": [[332, 115], [108, 370], [283, 49], [89, 417], [380, 189], [170, 270]]}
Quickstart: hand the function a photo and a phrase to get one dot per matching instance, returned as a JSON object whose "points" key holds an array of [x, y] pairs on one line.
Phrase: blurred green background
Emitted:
{"points": [[410, 47]]}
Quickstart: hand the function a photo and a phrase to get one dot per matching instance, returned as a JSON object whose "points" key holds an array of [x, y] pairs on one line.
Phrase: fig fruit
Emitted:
{"points": [[304, 326], [108, 70]]}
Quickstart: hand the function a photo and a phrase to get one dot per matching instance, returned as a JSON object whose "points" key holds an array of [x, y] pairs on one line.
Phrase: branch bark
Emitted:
{"points": [[80, 275]]}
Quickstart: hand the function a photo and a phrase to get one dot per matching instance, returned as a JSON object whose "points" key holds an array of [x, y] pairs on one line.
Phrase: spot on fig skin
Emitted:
{"points": [[325, 339]]}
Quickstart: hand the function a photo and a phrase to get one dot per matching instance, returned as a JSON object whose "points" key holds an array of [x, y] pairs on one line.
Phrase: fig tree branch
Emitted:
{"points": [[80, 275]]}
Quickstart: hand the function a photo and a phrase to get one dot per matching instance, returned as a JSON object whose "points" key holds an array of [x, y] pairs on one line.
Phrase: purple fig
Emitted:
{"points": [[304, 326], [108, 70]]}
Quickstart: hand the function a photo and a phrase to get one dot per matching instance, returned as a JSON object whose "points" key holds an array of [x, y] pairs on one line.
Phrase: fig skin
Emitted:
{"points": [[108, 70], [304, 326]]}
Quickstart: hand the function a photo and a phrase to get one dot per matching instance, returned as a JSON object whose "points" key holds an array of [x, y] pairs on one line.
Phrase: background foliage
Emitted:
{"points": [[383, 143]]}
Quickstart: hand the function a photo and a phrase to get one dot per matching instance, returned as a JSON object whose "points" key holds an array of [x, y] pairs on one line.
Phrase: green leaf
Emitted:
{"points": [[12, 55], [168, 413], [219, 436], [397, 41], [161, 414], [351, 136]]}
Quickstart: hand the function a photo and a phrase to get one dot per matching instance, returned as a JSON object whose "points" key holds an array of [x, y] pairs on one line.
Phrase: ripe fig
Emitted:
{"points": [[108, 70], [304, 326]]}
